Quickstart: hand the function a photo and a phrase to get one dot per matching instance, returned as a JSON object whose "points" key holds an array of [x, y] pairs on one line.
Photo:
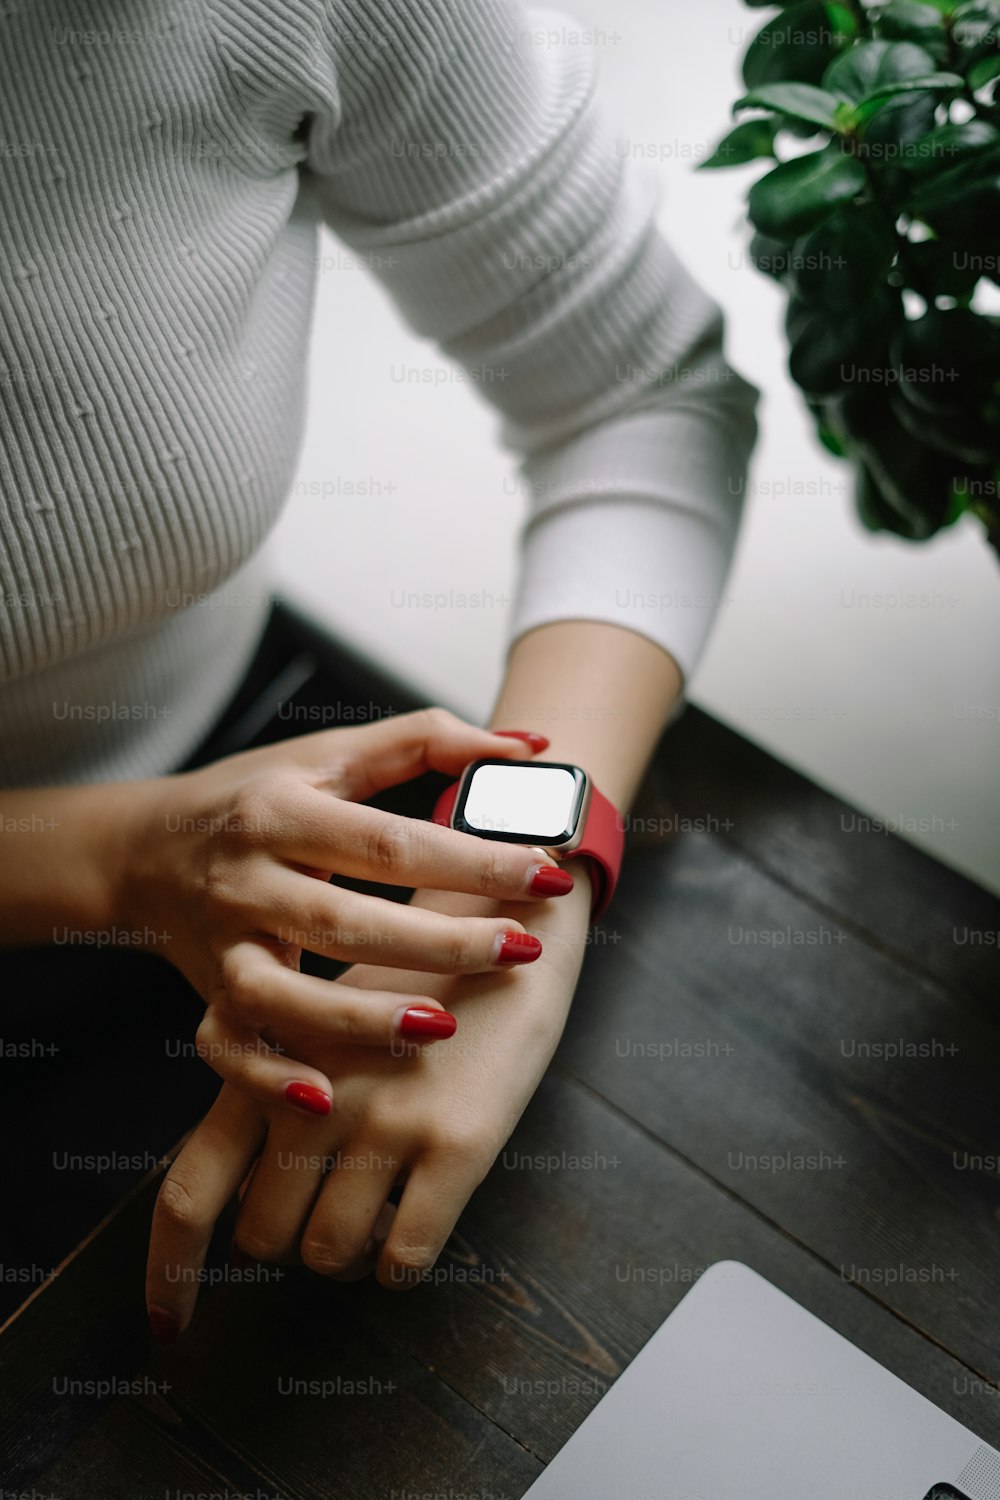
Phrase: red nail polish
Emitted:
{"points": [[431, 1024], [306, 1096], [518, 948], [163, 1326], [537, 742], [549, 880]]}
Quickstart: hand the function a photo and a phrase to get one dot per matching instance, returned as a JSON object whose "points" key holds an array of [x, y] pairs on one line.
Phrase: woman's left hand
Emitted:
{"points": [[433, 1120]]}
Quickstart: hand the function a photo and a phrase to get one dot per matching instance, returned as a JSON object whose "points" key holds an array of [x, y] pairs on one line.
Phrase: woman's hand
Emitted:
{"points": [[433, 1121], [231, 864]]}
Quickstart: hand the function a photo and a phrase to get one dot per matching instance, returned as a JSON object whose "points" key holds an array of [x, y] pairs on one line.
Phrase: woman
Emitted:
{"points": [[162, 188]]}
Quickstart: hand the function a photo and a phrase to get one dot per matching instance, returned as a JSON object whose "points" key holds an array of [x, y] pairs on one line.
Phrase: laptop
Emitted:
{"points": [[743, 1395]]}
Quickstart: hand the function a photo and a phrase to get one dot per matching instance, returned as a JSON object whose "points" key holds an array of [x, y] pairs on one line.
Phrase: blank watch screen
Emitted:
{"points": [[540, 802]]}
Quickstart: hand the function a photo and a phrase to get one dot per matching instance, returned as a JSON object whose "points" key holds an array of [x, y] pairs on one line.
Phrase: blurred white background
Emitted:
{"points": [[870, 664]]}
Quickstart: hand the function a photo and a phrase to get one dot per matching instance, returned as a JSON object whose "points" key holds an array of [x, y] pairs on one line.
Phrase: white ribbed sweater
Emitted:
{"points": [[164, 165]]}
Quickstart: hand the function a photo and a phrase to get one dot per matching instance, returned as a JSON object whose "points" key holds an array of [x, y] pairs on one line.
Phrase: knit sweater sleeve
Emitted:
{"points": [[466, 159]]}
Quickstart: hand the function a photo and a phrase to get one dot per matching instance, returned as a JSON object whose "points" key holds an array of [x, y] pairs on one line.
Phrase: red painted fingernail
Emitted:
{"points": [[163, 1326], [549, 880], [538, 742], [431, 1024], [308, 1097], [518, 948]]}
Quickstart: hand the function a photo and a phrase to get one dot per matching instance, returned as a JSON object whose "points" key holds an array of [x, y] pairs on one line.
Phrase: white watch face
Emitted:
{"points": [[538, 804]]}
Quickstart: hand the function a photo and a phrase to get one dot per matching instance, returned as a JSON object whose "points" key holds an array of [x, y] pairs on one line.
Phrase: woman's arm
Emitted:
{"points": [[61, 861], [471, 165]]}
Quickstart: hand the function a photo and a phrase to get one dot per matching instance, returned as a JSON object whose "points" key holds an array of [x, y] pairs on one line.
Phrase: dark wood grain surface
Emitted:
{"points": [[724, 1076]]}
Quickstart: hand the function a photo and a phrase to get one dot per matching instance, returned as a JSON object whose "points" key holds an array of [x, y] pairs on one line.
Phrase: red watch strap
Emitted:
{"points": [[603, 841], [445, 805]]}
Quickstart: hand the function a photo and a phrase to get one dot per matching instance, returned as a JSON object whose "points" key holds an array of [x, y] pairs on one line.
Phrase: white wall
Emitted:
{"points": [[894, 703]]}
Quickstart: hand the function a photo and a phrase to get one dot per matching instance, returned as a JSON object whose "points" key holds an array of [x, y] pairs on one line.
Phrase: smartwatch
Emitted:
{"points": [[545, 803]]}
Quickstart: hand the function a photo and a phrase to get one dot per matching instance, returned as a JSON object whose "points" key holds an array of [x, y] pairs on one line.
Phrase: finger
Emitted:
{"points": [[435, 1194], [241, 1057], [367, 759], [269, 997], [277, 1203], [368, 843], [341, 1231], [202, 1180], [368, 1260], [356, 928]]}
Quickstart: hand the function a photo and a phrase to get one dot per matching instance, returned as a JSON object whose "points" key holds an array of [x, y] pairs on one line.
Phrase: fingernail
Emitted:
{"points": [[537, 742], [431, 1024], [308, 1097], [517, 948], [549, 880], [163, 1326]]}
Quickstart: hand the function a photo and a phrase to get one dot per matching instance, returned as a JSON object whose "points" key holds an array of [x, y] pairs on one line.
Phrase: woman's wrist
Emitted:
{"points": [[131, 851], [601, 695], [64, 861]]}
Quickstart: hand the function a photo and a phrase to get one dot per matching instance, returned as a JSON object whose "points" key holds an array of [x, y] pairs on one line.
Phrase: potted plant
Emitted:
{"points": [[880, 215]]}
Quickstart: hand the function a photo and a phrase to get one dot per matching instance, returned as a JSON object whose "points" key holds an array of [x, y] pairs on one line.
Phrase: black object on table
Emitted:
{"points": [[784, 1050]]}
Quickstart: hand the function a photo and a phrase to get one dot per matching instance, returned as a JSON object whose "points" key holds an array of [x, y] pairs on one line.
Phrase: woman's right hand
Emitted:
{"points": [[229, 867]]}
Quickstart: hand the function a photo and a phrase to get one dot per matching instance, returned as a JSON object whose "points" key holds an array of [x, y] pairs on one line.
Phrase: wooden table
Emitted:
{"points": [[738, 1012]]}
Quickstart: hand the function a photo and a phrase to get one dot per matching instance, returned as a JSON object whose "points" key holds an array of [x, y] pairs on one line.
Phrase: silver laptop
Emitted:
{"points": [[743, 1395]]}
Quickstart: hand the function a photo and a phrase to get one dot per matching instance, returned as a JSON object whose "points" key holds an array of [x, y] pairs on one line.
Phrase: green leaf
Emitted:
{"points": [[801, 129], [952, 270], [795, 45], [830, 441], [987, 10], [842, 19], [874, 512], [907, 485], [747, 142], [769, 256], [948, 360], [826, 431], [974, 26], [799, 100], [909, 21], [797, 195], [841, 262], [869, 66], [798, 316], [833, 350], [931, 83], [948, 145], [900, 514], [983, 72], [963, 201], [958, 502], [890, 136], [961, 435]]}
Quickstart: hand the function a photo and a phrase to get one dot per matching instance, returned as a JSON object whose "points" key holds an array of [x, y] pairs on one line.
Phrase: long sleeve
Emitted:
{"points": [[466, 159]]}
